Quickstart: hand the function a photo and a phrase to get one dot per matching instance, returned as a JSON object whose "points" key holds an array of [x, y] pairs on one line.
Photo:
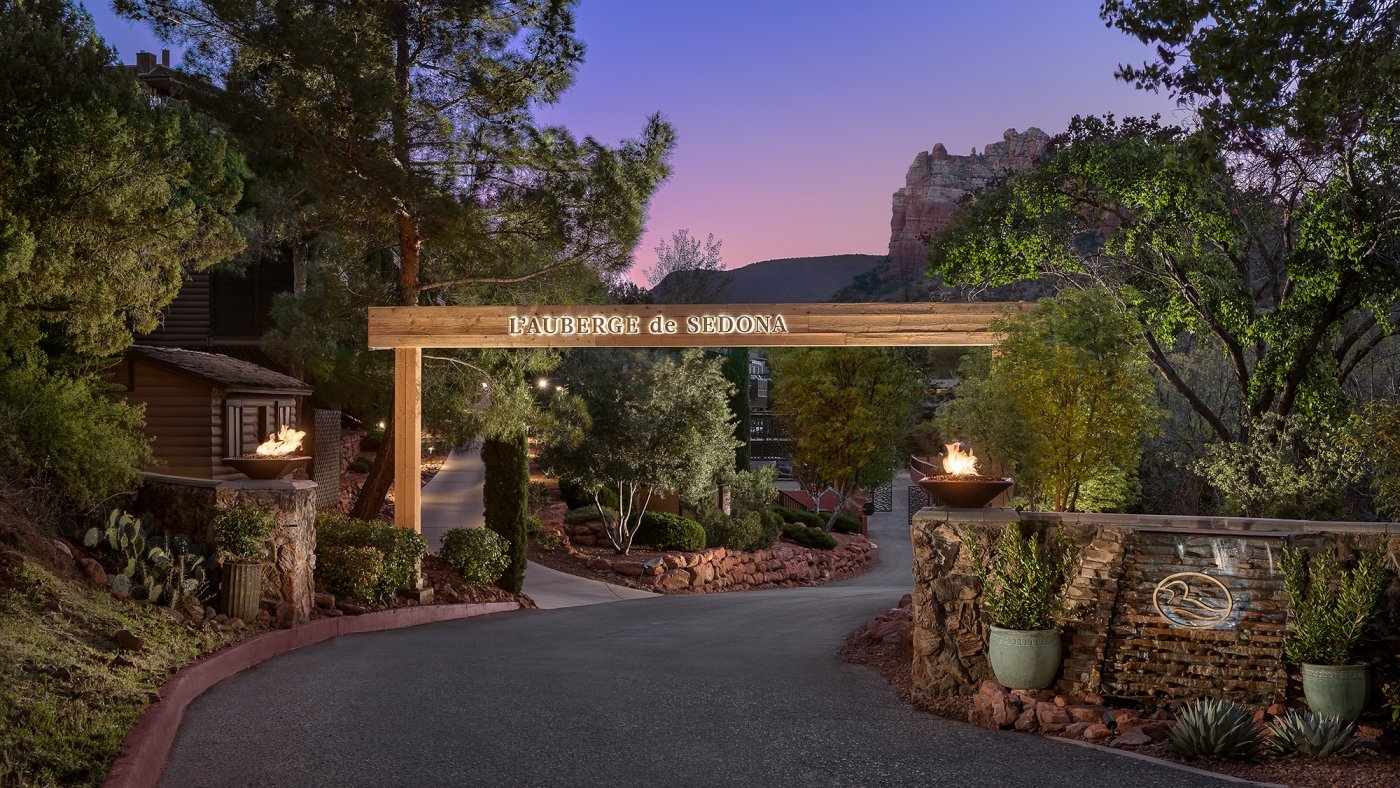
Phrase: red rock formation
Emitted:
{"points": [[934, 184]]}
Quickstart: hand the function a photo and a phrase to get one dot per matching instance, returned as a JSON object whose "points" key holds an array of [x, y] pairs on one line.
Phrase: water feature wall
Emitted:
{"points": [[1161, 607]]}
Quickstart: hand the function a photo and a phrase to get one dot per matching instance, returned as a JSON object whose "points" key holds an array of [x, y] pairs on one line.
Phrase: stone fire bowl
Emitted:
{"points": [[265, 467], [964, 493], [969, 493]]}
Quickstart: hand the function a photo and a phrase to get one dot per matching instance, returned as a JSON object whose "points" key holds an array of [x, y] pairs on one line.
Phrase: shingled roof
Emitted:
{"points": [[221, 371]]}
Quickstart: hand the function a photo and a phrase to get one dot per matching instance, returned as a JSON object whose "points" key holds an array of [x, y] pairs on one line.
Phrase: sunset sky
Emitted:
{"points": [[797, 120]]}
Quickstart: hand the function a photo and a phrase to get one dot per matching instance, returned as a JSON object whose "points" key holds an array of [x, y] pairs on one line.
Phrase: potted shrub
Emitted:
{"points": [[241, 533], [1021, 584], [1331, 609]]}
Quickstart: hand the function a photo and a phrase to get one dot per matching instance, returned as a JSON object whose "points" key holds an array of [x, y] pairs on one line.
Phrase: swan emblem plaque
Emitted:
{"points": [[1193, 600]]}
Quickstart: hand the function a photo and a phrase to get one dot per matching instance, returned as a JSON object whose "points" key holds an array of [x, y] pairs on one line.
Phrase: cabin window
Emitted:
{"points": [[233, 430], [284, 415]]}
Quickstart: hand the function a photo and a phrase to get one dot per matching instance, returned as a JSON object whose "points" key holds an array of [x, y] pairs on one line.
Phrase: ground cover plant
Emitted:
{"points": [[68, 692]]}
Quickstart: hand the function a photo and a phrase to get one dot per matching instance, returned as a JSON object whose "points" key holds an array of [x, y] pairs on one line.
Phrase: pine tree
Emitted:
{"points": [[414, 124]]}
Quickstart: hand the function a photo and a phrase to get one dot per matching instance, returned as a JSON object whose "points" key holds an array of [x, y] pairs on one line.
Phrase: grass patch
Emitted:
{"points": [[67, 695]]}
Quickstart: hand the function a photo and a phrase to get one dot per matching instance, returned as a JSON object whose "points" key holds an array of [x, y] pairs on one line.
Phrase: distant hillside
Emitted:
{"points": [[800, 280]]}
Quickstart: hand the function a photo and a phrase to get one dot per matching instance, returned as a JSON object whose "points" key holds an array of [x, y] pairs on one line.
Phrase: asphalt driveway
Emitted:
{"points": [[740, 689]]}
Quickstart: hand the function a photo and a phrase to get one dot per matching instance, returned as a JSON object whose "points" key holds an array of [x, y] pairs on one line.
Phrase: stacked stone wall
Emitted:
{"points": [[1117, 643], [719, 569], [191, 505]]}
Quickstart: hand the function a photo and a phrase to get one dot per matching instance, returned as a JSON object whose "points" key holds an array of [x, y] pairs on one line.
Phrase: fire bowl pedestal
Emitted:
{"points": [[265, 467]]}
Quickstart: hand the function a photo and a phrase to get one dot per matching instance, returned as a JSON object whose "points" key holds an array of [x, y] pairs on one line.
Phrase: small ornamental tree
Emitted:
{"points": [[1021, 580], [649, 426], [1331, 607], [846, 410], [1064, 404]]}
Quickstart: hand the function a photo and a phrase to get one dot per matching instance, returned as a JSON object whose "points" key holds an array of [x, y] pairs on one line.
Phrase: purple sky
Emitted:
{"points": [[797, 120]]}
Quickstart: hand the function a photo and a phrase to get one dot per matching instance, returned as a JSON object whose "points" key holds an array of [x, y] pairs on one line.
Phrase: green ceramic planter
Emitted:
{"points": [[1024, 659], [1336, 690]]}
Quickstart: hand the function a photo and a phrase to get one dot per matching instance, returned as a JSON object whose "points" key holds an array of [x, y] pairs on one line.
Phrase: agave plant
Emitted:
{"points": [[1312, 735], [1216, 729]]}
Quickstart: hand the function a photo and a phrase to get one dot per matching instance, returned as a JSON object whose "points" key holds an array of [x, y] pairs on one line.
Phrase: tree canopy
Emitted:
{"points": [[430, 179], [106, 199], [846, 410], [647, 426], [1064, 404], [1284, 281]]}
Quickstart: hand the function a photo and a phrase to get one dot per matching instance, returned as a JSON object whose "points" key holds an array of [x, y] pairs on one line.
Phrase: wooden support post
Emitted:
{"points": [[408, 442]]}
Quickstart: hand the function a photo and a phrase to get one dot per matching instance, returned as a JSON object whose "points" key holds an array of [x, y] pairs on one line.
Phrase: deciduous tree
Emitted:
{"points": [[1064, 404], [846, 410], [693, 273], [649, 426]]}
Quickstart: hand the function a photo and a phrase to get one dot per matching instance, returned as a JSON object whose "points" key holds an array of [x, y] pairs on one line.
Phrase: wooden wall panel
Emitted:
{"points": [[179, 419], [185, 323]]}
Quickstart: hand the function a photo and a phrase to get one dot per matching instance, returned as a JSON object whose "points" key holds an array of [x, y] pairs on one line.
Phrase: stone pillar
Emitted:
{"points": [[949, 631], [291, 555]]}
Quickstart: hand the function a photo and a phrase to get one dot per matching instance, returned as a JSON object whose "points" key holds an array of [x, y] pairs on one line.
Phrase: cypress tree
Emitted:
{"points": [[506, 495], [736, 370]]}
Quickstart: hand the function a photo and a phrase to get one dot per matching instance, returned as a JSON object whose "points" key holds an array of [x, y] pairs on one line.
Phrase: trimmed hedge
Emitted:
{"points": [[350, 571], [478, 554], [747, 533], [372, 440], [360, 465], [400, 549], [670, 532], [809, 519], [846, 524], [809, 537]]}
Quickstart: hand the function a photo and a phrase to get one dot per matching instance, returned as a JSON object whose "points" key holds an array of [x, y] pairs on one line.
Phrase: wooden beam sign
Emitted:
{"points": [[686, 325]]}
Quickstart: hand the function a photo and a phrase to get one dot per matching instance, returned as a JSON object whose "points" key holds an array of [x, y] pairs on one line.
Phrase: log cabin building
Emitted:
{"points": [[202, 407]]}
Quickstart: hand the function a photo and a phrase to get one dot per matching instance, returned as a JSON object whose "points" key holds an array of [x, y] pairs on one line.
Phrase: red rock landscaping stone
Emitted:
{"points": [[1027, 722], [1097, 731], [1132, 739], [1087, 713], [627, 568], [1158, 731]]}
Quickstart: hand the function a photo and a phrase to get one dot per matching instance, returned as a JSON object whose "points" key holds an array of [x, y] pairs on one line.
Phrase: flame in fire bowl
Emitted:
{"points": [[273, 458], [956, 484]]}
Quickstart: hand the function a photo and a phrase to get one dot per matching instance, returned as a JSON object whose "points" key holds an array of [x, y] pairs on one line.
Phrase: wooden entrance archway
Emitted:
{"points": [[407, 330]]}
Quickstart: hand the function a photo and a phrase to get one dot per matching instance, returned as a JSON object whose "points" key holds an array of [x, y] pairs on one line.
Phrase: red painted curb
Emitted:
{"points": [[147, 745]]}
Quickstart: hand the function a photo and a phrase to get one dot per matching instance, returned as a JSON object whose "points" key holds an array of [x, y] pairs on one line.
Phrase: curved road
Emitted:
{"points": [[740, 689]]}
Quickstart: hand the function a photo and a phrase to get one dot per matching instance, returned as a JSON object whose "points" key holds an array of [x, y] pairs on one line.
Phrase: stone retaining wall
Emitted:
{"points": [[1129, 636], [191, 505], [718, 569]]}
